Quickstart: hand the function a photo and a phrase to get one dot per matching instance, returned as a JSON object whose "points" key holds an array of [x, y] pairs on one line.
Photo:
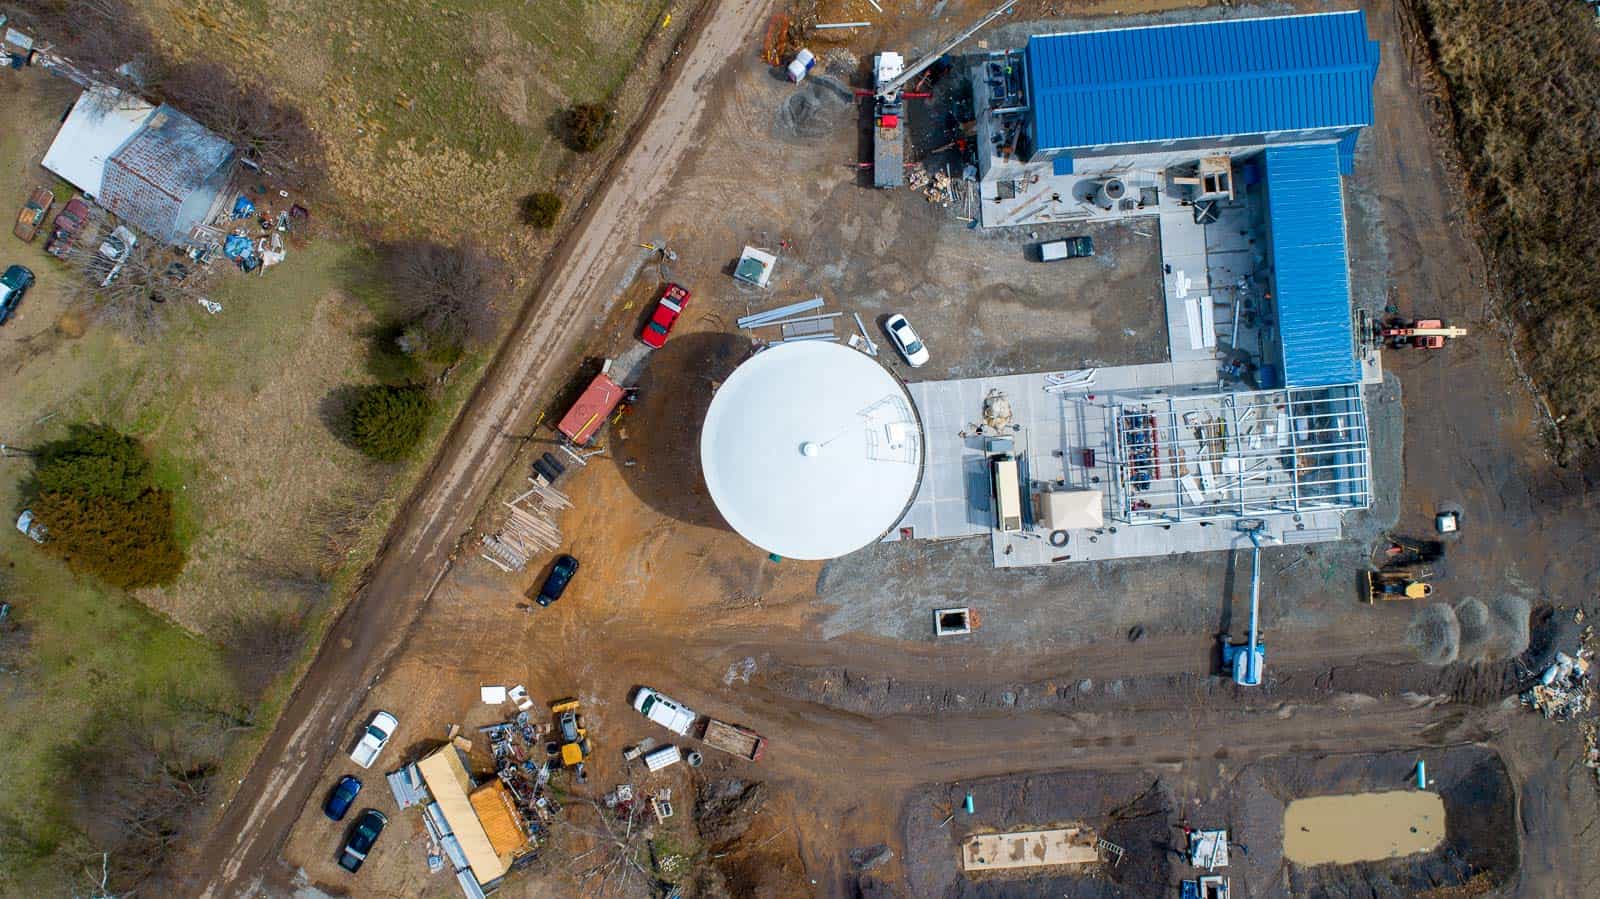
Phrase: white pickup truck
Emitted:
{"points": [[663, 711]]}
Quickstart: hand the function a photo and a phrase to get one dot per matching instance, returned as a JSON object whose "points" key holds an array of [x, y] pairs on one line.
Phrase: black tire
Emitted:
{"points": [[1059, 538]]}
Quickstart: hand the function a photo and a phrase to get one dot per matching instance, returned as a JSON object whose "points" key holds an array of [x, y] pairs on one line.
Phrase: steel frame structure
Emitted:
{"points": [[1240, 455]]}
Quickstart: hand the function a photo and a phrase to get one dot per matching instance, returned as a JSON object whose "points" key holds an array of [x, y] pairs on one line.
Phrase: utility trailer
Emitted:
{"points": [[732, 739], [597, 402]]}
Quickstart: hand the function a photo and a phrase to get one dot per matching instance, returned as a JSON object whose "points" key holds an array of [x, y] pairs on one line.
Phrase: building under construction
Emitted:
{"points": [[1232, 136]]}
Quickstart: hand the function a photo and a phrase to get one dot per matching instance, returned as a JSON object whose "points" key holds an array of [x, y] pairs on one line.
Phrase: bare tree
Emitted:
{"points": [[448, 293], [138, 299], [139, 791], [273, 135], [98, 37]]}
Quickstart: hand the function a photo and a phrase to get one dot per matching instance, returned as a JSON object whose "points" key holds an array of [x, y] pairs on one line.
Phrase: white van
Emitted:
{"points": [[663, 711], [1007, 494], [665, 757]]}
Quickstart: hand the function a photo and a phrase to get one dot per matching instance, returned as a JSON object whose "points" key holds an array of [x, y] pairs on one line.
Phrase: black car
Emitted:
{"points": [[362, 836], [556, 583], [341, 797]]}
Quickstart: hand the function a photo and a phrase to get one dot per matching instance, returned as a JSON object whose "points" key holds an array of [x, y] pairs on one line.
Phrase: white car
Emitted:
{"points": [[906, 340], [374, 739], [664, 711]]}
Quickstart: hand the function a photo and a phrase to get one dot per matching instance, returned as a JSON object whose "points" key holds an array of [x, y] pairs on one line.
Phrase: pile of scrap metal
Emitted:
{"points": [[1563, 691], [639, 807], [521, 765]]}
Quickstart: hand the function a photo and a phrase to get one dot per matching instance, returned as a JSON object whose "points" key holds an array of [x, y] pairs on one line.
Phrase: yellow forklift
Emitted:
{"points": [[572, 736]]}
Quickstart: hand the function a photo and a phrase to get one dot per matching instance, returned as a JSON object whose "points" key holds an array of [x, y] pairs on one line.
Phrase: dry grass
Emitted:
{"points": [[1520, 90], [422, 106]]}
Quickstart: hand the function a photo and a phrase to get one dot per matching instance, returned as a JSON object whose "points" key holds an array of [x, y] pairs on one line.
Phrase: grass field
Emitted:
{"points": [[1521, 94], [433, 115]]}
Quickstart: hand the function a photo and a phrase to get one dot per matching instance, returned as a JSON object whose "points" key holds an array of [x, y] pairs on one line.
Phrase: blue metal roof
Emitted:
{"points": [[1305, 210], [1206, 79]]}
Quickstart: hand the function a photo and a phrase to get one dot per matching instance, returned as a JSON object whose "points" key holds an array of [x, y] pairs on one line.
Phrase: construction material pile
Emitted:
{"points": [[1563, 692], [530, 528], [937, 187]]}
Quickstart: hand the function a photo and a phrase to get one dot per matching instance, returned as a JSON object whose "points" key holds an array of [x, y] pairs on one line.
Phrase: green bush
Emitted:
{"points": [[541, 209], [587, 126], [102, 511], [386, 422], [94, 460]]}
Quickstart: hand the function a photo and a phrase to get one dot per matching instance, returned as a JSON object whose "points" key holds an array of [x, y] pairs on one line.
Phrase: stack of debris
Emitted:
{"points": [[1562, 692], [937, 187], [529, 529]]}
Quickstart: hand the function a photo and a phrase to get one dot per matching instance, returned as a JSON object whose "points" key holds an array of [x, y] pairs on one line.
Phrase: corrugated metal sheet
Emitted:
{"points": [[148, 179], [1206, 79], [1305, 208]]}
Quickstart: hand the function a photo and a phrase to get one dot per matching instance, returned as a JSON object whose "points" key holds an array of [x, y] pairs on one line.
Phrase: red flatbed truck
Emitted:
{"points": [[584, 419]]}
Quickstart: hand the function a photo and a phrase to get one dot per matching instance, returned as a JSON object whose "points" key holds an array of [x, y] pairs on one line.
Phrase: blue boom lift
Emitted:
{"points": [[1248, 661]]}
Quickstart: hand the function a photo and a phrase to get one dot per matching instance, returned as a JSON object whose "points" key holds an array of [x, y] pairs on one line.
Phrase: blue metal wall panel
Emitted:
{"points": [[1305, 217], [1209, 79]]}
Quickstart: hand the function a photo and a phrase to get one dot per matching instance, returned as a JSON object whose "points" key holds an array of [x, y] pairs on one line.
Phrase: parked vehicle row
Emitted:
{"points": [[369, 825], [64, 231]]}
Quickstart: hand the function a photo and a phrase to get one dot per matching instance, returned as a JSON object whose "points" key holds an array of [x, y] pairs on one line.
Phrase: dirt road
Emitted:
{"points": [[244, 844]]}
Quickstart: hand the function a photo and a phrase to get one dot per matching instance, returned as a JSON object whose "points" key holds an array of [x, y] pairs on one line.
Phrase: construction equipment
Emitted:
{"points": [[1398, 552], [1398, 333], [1399, 584], [573, 736], [890, 75], [1248, 660]]}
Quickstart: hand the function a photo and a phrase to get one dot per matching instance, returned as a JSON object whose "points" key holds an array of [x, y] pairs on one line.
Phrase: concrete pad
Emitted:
{"points": [[1029, 849]]}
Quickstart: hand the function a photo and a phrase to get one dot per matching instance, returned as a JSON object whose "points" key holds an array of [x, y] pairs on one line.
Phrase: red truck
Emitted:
{"points": [[64, 232], [667, 310], [584, 419]]}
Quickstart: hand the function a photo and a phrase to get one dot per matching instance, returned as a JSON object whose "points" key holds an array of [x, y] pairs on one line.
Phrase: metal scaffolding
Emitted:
{"points": [[1240, 455]]}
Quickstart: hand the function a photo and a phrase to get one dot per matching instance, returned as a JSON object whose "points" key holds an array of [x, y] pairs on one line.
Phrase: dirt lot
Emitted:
{"points": [[861, 710]]}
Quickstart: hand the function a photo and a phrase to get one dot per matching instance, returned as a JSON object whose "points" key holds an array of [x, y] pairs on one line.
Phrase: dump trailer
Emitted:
{"points": [[732, 739], [597, 402]]}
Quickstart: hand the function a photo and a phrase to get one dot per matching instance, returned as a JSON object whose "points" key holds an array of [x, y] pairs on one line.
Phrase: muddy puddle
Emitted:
{"points": [[1361, 827]]}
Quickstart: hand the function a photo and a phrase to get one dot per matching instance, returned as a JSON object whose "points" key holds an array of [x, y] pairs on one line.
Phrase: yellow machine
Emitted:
{"points": [[1401, 585], [573, 736]]}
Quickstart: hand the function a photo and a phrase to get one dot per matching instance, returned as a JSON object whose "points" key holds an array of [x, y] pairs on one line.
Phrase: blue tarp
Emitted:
{"points": [[1203, 79], [237, 247], [242, 207], [1305, 209]]}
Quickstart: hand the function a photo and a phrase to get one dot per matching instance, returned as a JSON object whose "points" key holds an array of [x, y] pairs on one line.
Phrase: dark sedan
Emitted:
{"points": [[556, 584], [366, 831]]}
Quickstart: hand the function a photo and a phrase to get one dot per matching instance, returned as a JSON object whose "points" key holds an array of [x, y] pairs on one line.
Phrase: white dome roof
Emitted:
{"points": [[811, 450]]}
